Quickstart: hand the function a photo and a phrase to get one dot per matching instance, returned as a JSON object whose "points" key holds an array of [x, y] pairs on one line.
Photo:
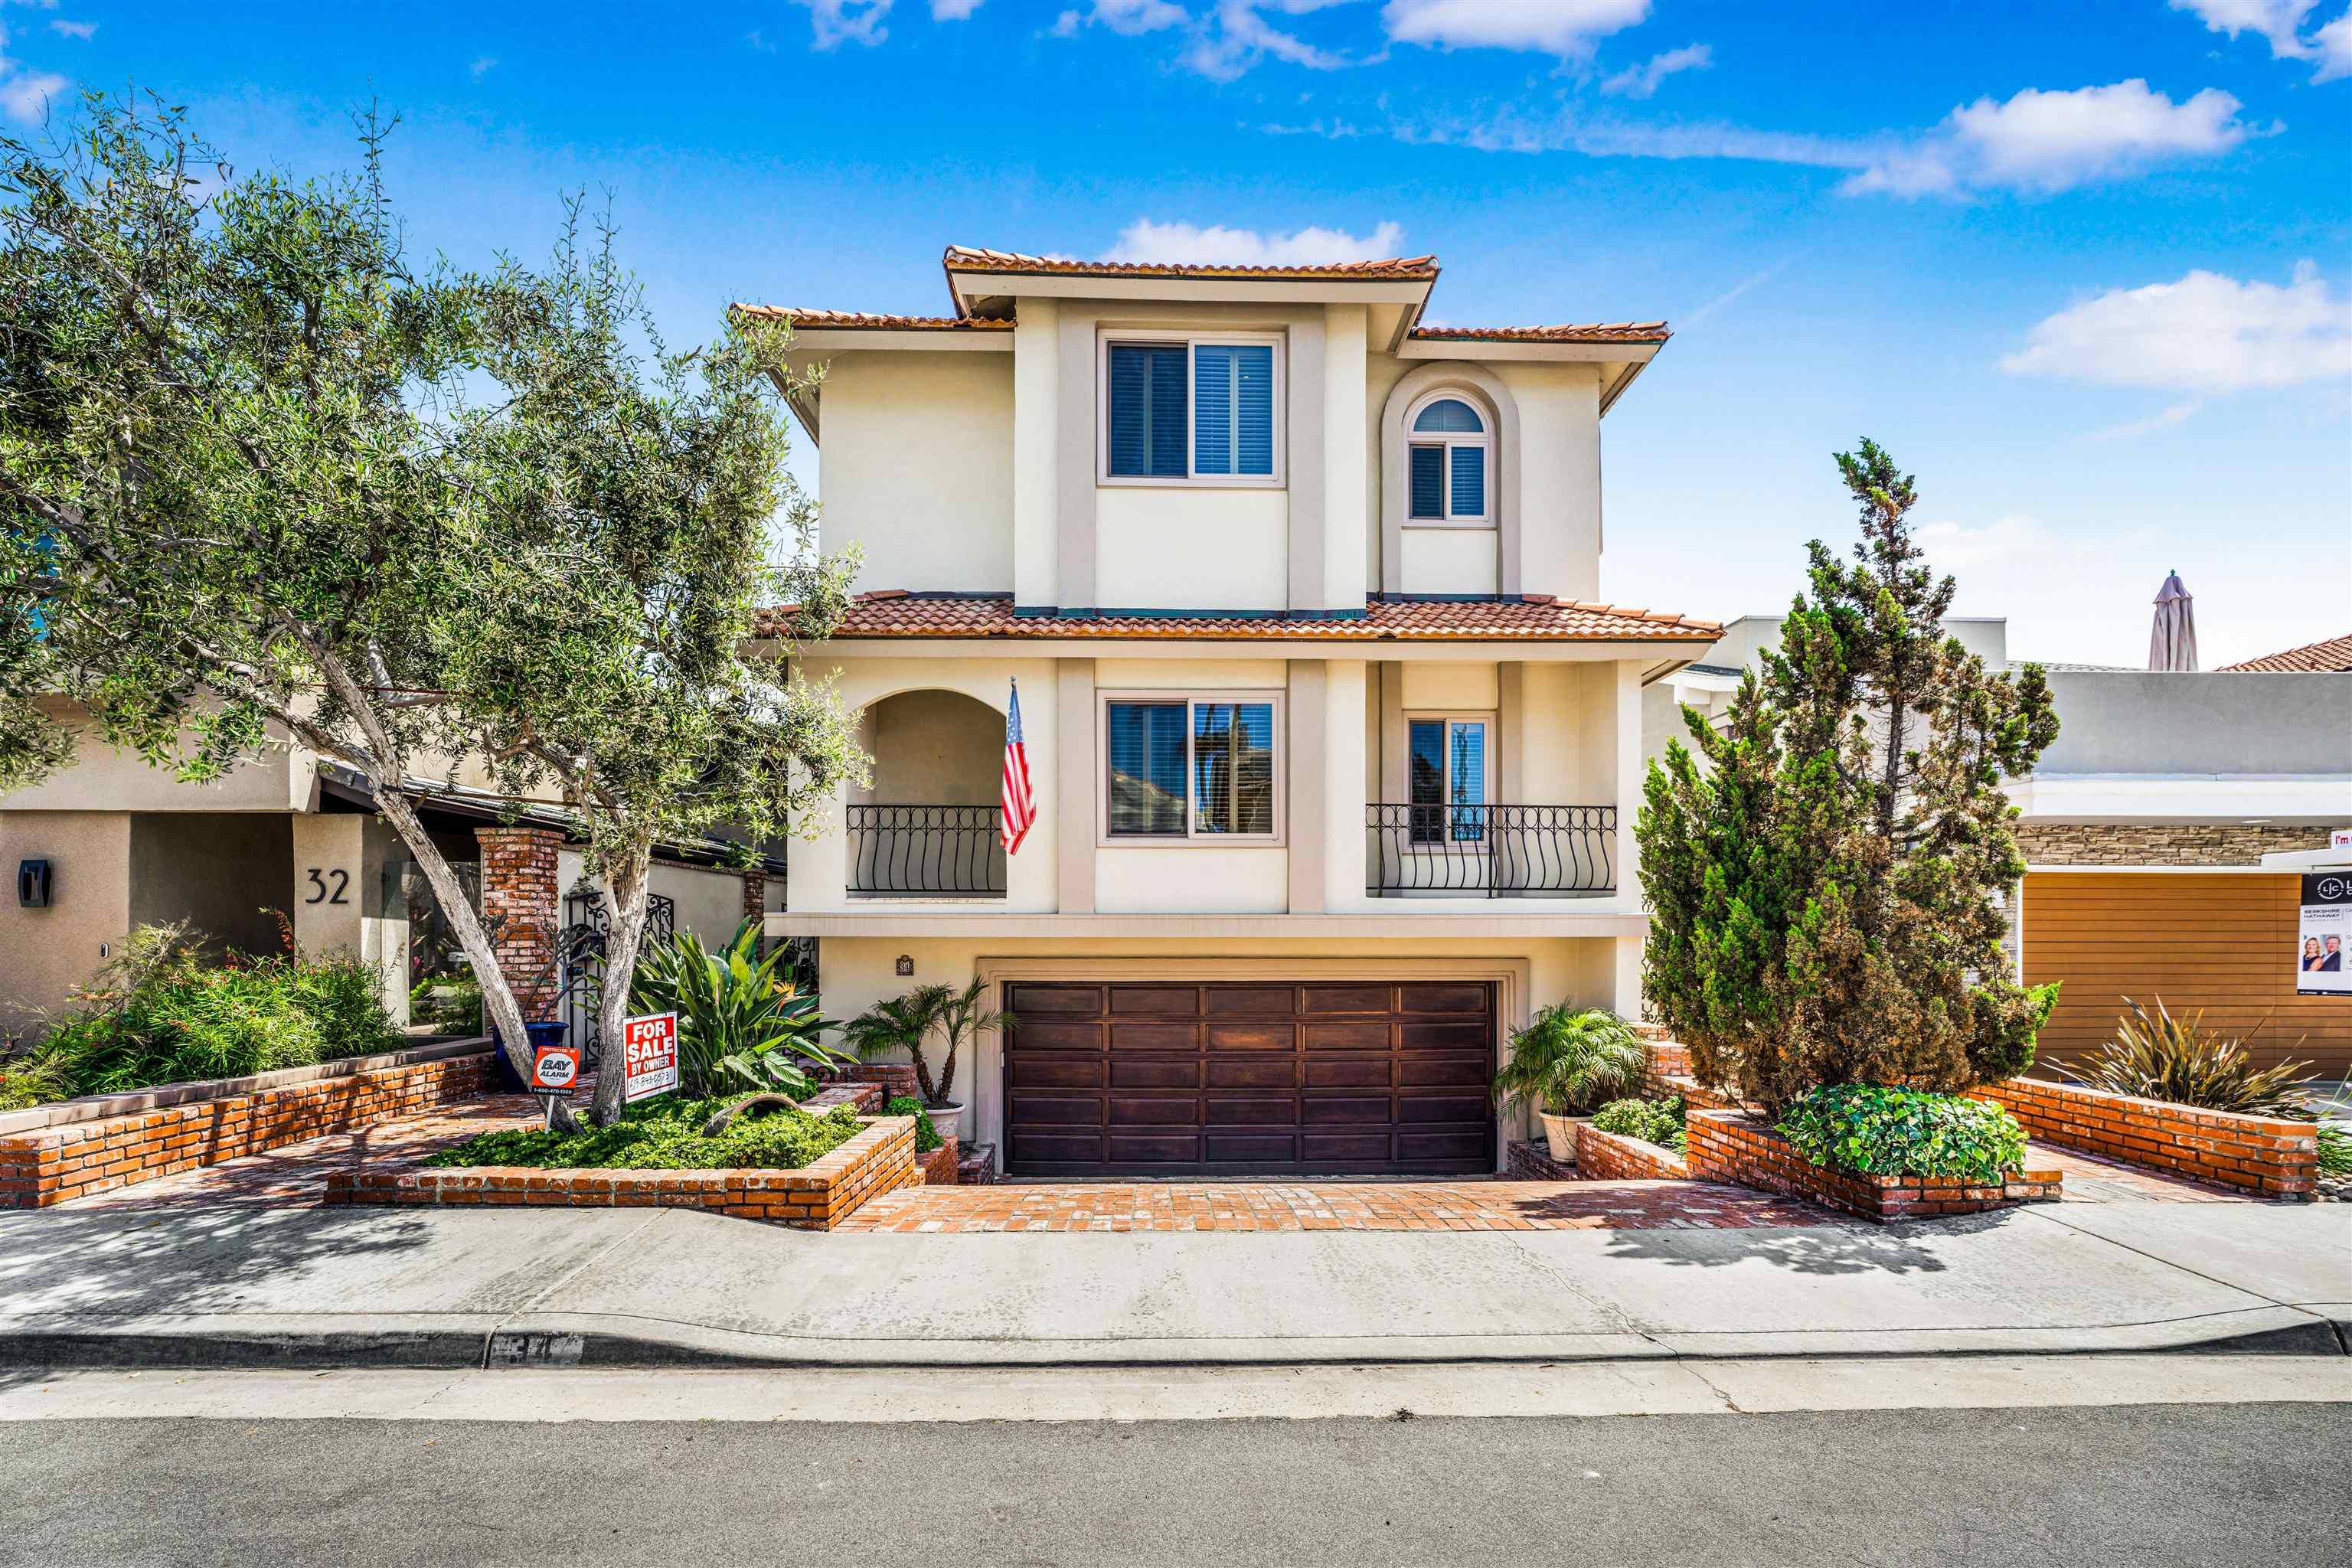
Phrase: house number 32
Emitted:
{"points": [[322, 894]]}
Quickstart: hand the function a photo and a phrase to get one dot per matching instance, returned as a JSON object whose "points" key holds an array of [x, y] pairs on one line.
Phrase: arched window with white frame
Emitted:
{"points": [[1450, 472]]}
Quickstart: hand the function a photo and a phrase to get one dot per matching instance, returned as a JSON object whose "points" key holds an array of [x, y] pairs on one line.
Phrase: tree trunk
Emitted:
{"points": [[627, 876]]}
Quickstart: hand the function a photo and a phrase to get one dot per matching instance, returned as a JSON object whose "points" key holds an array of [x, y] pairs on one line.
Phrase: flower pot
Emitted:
{"points": [[1559, 1132], [947, 1121]]}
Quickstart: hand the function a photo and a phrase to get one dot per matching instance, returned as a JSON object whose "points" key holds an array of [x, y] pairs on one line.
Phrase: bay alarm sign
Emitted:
{"points": [[649, 1054]]}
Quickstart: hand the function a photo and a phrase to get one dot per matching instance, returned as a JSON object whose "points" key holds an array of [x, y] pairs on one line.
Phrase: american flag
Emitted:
{"points": [[1019, 805]]}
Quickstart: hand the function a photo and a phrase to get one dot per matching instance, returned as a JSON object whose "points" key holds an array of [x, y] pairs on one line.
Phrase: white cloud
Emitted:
{"points": [[2012, 541], [82, 31], [1127, 17], [484, 66], [1144, 240], [2206, 333], [954, 10], [2333, 45], [26, 93], [1510, 132], [1641, 82], [2280, 23], [835, 22], [1237, 38], [2051, 142], [1564, 27], [2163, 419]]}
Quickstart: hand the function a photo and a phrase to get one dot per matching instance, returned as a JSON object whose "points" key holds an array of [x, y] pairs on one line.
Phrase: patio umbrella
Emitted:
{"points": [[2172, 641]]}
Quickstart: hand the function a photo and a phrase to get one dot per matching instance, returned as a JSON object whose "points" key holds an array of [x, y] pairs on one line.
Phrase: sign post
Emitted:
{"points": [[2322, 966], [650, 1055], [554, 1069]]}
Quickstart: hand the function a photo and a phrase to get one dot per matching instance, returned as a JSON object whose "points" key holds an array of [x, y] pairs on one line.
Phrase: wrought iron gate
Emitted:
{"points": [[579, 958]]}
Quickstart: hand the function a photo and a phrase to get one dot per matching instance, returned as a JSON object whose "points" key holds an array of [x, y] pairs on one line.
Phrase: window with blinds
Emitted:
{"points": [[1193, 767], [1446, 475], [1187, 407], [1445, 775]]}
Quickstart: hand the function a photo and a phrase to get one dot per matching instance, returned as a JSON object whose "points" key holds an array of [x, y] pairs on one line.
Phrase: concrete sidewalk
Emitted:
{"points": [[662, 1287]]}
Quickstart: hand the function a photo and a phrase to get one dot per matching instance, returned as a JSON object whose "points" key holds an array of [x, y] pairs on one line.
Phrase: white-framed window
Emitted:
{"points": [[1449, 777], [1183, 408], [1192, 767], [1450, 468]]}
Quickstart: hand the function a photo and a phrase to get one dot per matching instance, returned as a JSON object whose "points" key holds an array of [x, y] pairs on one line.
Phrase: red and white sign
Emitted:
{"points": [[554, 1069], [650, 1055]]}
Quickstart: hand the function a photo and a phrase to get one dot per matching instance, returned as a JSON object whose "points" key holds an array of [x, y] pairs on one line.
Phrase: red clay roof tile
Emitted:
{"points": [[973, 258], [1586, 332], [894, 612], [2331, 657], [833, 321]]}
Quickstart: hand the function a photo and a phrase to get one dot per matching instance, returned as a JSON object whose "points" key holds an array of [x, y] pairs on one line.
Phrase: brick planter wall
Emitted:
{"points": [[976, 1165], [2258, 1153], [815, 1197], [938, 1168], [74, 1159], [896, 1077], [1533, 1162], [519, 904], [1725, 1146], [1614, 1157]]}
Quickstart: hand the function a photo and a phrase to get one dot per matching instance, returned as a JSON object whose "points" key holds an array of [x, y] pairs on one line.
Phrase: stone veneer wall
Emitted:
{"points": [[76, 1159], [2158, 843]]}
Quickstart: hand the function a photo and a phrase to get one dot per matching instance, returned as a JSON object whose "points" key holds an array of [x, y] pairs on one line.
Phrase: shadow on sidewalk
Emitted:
{"points": [[1853, 1247]]}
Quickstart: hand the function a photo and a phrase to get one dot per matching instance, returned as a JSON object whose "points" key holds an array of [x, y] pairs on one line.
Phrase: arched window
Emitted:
{"points": [[1450, 472]]}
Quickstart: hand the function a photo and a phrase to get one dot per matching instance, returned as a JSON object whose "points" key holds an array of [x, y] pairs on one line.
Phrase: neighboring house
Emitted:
{"points": [[127, 846], [2332, 657], [2145, 828], [1335, 755]]}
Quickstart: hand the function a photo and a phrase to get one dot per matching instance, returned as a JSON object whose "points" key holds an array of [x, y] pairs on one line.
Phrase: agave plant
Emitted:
{"points": [[2159, 1056], [739, 1025], [1564, 1061]]}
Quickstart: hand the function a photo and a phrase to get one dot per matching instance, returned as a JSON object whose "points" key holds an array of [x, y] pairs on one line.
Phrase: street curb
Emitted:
{"points": [[574, 1342]]}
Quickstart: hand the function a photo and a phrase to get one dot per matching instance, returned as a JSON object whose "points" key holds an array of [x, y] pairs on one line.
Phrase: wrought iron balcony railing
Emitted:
{"points": [[1490, 851], [926, 851]]}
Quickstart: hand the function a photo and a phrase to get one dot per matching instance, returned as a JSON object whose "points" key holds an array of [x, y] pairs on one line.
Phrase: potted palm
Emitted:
{"points": [[1564, 1062], [904, 1023]]}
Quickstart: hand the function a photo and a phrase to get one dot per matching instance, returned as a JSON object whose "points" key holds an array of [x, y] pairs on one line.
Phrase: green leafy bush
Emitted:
{"points": [[165, 1012], [927, 1137], [27, 1082], [2159, 1056], [1659, 1122], [739, 1024], [1564, 1061], [666, 1134], [1905, 1132]]}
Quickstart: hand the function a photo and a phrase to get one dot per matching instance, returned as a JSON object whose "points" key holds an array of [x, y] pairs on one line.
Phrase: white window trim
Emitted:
{"points": [[1279, 480], [1192, 838], [1446, 441]]}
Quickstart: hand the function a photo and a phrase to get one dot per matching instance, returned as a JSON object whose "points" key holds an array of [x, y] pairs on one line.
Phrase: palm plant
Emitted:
{"points": [[739, 1025], [2159, 1056], [1565, 1061], [960, 1015], [904, 1023]]}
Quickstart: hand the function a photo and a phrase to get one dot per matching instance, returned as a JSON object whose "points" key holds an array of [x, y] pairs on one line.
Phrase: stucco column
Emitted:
{"points": [[1072, 800], [1629, 781], [1073, 459], [1308, 831], [329, 879], [1037, 348], [816, 870], [1344, 758], [1627, 981], [522, 906], [1347, 511]]}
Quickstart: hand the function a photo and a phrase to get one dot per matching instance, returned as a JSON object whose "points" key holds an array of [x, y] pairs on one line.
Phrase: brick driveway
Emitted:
{"points": [[1332, 1206]]}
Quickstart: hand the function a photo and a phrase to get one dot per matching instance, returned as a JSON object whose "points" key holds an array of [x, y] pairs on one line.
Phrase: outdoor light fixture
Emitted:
{"points": [[906, 964], [33, 884]]}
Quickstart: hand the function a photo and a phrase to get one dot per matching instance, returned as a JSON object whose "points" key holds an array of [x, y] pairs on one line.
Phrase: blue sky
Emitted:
{"points": [[2087, 268]]}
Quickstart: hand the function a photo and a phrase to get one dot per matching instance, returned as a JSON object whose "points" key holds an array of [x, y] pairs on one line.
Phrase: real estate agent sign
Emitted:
{"points": [[2322, 968]]}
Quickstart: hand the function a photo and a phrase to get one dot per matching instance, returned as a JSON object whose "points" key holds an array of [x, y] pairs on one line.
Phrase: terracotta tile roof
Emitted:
{"points": [[2331, 657], [869, 320], [895, 613], [971, 258], [1586, 332]]}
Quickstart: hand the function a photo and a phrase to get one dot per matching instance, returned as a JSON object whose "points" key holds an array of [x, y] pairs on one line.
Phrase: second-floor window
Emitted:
{"points": [[1447, 765], [1191, 767], [1450, 481], [1193, 408]]}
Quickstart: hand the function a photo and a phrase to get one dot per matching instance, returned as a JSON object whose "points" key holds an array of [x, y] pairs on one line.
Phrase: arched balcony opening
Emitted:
{"points": [[931, 825]]}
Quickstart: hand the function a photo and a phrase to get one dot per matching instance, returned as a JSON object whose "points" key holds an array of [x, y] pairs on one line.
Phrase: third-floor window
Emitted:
{"points": [[1191, 409]]}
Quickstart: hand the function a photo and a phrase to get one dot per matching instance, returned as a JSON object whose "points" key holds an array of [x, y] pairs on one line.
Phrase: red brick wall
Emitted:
{"points": [[52, 1164], [2259, 1154], [939, 1166], [1725, 1146], [1612, 1157], [896, 1077], [1533, 1162], [816, 1197], [755, 895], [521, 907]]}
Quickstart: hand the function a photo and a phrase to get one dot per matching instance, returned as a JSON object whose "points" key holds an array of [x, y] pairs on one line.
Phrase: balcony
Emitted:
{"points": [[926, 851], [1490, 851]]}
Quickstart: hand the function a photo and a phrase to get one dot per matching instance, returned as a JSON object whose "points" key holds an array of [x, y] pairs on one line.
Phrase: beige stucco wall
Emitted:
{"points": [[228, 874], [932, 748], [1559, 477], [104, 779], [917, 467], [45, 953], [710, 902], [1450, 560], [1192, 548]]}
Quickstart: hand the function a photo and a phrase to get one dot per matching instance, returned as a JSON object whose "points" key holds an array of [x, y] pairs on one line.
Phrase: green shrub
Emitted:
{"points": [[1905, 1132], [2181, 1061], [927, 1137], [1659, 1122], [1564, 1061], [2335, 1149], [36, 1079], [666, 1134], [741, 1025]]}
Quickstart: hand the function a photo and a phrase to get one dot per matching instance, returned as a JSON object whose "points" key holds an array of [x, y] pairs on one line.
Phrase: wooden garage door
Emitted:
{"points": [[1256, 1078], [2220, 943]]}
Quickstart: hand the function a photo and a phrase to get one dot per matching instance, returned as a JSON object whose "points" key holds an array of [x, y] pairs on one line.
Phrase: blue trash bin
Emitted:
{"points": [[540, 1034]]}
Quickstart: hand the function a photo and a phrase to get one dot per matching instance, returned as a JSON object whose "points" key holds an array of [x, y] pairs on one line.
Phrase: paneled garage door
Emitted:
{"points": [[1248, 1077]]}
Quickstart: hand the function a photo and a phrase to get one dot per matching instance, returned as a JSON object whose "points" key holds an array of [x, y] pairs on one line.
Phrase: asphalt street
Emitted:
{"points": [[2141, 1485]]}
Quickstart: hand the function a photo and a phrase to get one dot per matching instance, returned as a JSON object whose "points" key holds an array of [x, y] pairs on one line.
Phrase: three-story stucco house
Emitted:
{"points": [[1335, 756]]}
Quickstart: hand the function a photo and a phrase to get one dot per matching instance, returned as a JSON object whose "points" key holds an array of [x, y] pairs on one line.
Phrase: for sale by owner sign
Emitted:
{"points": [[649, 1053]]}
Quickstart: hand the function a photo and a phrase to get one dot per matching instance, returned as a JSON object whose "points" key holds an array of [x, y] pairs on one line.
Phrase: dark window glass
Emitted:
{"points": [[1428, 487], [1233, 767], [1146, 410], [1147, 768]]}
